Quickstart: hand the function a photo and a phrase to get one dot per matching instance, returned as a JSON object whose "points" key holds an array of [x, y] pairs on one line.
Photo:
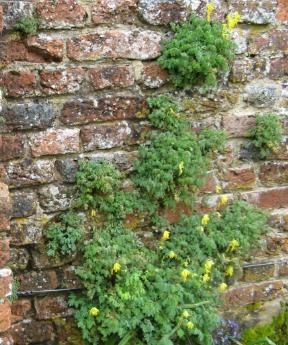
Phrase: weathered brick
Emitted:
{"points": [[281, 153], [5, 315], [210, 184], [111, 76], [106, 136], [254, 11], [122, 159], [26, 231], [38, 280], [50, 48], [153, 76], [55, 198], [19, 83], [5, 207], [52, 306], [258, 272], [28, 172], [238, 126], [277, 244], [282, 13], [24, 203], [20, 310], [272, 173], [239, 178], [11, 146], [1, 19], [28, 115], [4, 252], [6, 339], [31, 331], [116, 11], [126, 44], [102, 109], [61, 14], [67, 168], [262, 94], [14, 10], [163, 12], [70, 280], [269, 198], [57, 82], [283, 268], [241, 70], [55, 141], [5, 285], [247, 294], [275, 41], [19, 258], [278, 68]]}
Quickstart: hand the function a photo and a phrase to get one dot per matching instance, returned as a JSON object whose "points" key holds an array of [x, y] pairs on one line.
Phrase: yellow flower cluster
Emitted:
{"points": [[229, 271], [116, 267], [205, 219], [207, 270], [185, 275], [218, 189], [223, 200], [232, 21], [172, 255], [222, 287], [165, 236], [190, 325], [181, 168], [233, 245], [94, 311], [210, 10]]}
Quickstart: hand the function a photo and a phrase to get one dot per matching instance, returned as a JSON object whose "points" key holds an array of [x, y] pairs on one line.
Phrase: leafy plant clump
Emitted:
{"points": [[27, 25], [199, 53], [164, 291], [267, 134]]}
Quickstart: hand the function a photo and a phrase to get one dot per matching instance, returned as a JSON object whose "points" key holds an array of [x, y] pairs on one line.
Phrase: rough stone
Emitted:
{"points": [[61, 14], [5, 285], [254, 273], [4, 252], [20, 310], [14, 10], [50, 48], [238, 126], [19, 83], [5, 316], [11, 146], [127, 44], [123, 160], [282, 13], [5, 206], [54, 198], [243, 177], [102, 109], [270, 198], [24, 203], [102, 77], [272, 173], [1, 19], [34, 280], [19, 259], [55, 141], [153, 76], [28, 115], [26, 231], [278, 68], [52, 306], [274, 41], [241, 70], [262, 94], [31, 331], [67, 168]]}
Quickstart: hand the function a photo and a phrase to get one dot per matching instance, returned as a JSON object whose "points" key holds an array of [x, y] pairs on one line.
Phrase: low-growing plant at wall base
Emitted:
{"points": [[267, 134], [165, 290], [27, 25], [198, 54]]}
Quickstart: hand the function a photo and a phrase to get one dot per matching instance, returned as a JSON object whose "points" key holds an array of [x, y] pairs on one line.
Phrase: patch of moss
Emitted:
{"points": [[254, 306]]}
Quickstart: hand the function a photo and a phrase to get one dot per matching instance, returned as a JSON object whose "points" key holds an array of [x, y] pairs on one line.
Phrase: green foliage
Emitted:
{"points": [[199, 53], [15, 286], [275, 333], [267, 134], [211, 140], [64, 235], [27, 25]]}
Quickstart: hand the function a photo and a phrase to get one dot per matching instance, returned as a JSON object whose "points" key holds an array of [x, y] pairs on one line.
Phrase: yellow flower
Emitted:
{"points": [[222, 287], [206, 278], [93, 213], [210, 9], [185, 275], [94, 311], [233, 20], [218, 189], [190, 325], [208, 266], [229, 271], [223, 200], [165, 236], [116, 267], [172, 255], [205, 219], [181, 168], [233, 245], [185, 314]]}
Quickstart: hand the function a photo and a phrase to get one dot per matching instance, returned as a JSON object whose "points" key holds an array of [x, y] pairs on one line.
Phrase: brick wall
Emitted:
{"points": [[73, 90]]}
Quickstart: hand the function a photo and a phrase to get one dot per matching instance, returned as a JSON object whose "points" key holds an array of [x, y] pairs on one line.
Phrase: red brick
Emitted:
{"points": [[5, 283], [11, 146], [281, 153], [239, 178], [50, 48], [107, 136], [282, 12], [275, 40], [55, 141], [126, 44], [15, 50], [111, 76], [19, 83], [278, 68], [31, 331], [247, 294], [5, 316], [61, 14], [277, 244], [4, 252], [238, 126], [102, 109], [20, 310], [210, 184], [269, 198], [5, 206], [114, 11], [51, 306], [59, 82], [256, 273], [153, 76], [272, 173]]}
